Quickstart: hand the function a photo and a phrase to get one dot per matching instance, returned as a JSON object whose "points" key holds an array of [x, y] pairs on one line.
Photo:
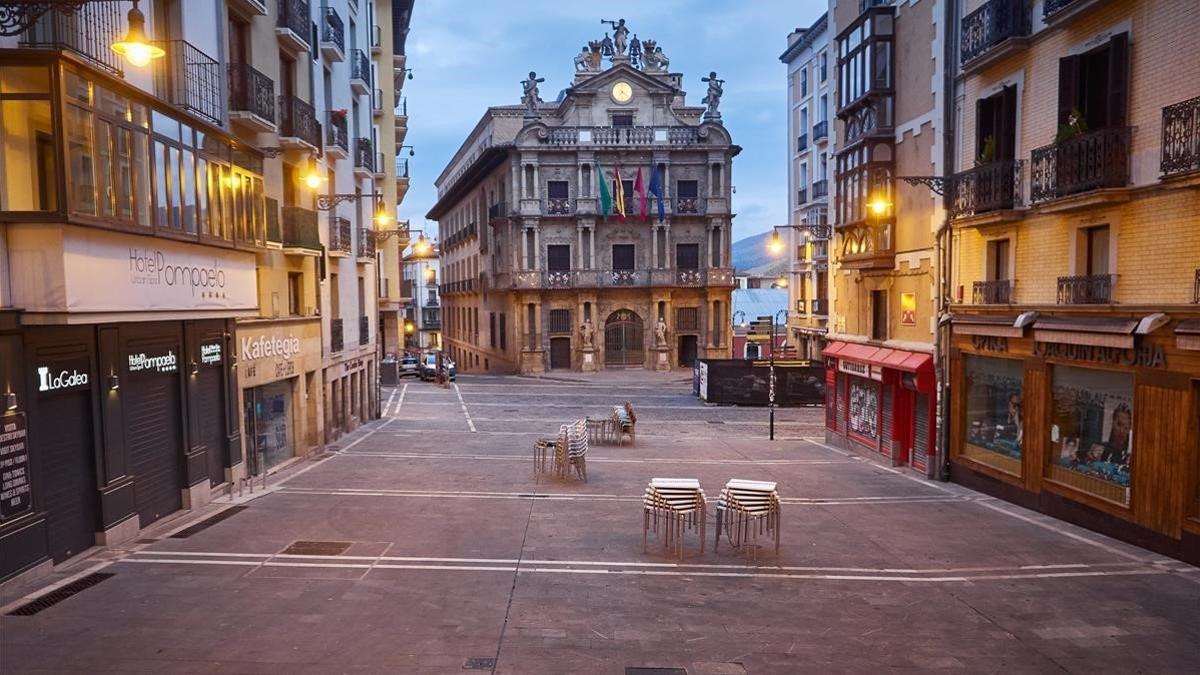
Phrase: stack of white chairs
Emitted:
{"points": [[566, 451], [745, 510], [577, 447], [680, 504]]}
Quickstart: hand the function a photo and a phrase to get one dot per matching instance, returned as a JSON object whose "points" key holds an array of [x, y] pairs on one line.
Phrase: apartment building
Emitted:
{"points": [[881, 389], [536, 276], [1075, 341], [423, 308], [188, 256], [390, 108], [811, 68]]}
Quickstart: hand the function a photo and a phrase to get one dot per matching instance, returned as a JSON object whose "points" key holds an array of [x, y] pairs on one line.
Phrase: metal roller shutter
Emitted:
{"points": [[152, 421], [921, 432], [64, 437], [211, 413], [885, 437]]}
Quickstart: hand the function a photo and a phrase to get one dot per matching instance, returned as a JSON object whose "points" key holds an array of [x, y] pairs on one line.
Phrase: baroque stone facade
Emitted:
{"points": [[529, 254]]}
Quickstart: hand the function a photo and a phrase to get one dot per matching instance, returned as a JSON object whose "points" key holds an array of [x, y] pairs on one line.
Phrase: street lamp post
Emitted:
{"points": [[771, 376]]}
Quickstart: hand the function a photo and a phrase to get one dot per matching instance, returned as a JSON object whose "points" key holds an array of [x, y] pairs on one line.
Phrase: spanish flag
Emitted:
{"points": [[619, 195]]}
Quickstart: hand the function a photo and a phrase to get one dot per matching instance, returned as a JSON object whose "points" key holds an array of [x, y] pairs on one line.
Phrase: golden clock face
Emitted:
{"points": [[622, 92]]}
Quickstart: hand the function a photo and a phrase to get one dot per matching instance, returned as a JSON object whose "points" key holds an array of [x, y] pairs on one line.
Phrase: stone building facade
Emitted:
{"points": [[535, 275]]}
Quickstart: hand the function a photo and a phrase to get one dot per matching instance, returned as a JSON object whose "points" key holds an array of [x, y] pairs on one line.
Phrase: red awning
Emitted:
{"points": [[895, 359]]}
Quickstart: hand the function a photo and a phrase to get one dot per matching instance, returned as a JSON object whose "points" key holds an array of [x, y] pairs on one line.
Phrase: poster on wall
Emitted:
{"points": [[995, 420], [864, 408], [16, 496], [1091, 431], [703, 381]]}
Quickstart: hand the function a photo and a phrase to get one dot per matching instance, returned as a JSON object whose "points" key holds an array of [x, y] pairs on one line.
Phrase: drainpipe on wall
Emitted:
{"points": [[945, 237]]}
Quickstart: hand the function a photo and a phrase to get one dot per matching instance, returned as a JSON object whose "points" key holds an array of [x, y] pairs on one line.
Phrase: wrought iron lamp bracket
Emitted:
{"points": [[328, 202], [937, 184], [18, 17]]}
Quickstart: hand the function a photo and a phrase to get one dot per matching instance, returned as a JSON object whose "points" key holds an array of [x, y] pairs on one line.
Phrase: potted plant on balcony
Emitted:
{"points": [[988, 154], [1076, 126], [338, 115]]}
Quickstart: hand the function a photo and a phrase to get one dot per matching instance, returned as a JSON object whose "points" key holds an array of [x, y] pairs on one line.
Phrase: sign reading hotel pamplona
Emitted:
{"points": [[16, 496], [109, 272]]}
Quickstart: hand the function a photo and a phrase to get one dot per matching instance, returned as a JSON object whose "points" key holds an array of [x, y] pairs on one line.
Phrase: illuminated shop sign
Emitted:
{"points": [[163, 363], [210, 353]]}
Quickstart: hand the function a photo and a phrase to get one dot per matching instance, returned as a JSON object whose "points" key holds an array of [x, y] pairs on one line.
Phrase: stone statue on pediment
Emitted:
{"points": [[620, 35], [635, 52], [530, 97], [587, 334], [660, 333], [653, 58], [595, 55], [713, 98]]}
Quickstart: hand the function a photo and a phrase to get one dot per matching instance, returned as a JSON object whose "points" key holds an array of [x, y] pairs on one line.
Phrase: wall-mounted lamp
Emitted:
{"points": [[134, 46], [195, 368], [114, 383], [10, 400], [411, 150]]}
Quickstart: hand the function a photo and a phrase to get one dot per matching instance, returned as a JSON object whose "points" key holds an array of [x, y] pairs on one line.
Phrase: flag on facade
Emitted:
{"points": [[605, 195], [639, 188], [619, 197], [656, 190]]}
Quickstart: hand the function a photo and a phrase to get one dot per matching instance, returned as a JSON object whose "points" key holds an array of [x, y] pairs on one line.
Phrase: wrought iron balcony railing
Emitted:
{"points": [[300, 228], [995, 292], [820, 130], [801, 196], [1087, 289], [991, 24], [364, 330], [497, 211], [333, 30], [460, 237], [366, 243], [360, 67], [298, 119], [1052, 7], [337, 338], [1091, 161], [401, 167], [88, 31], [274, 231], [293, 15], [615, 278], [336, 133], [339, 236], [687, 205], [1181, 138], [994, 186], [364, 154], [801, 142], [820, 188], [252, 92], [191, 80]]}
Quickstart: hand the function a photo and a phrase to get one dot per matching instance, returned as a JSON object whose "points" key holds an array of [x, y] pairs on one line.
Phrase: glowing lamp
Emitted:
{"points": [[776, 244], [782, 281], [879, 206], [136, 49]]}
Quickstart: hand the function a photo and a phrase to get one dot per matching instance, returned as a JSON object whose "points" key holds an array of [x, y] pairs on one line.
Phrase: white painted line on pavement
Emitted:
{"points": [[389, 402], [609, 460], [463, 404]]}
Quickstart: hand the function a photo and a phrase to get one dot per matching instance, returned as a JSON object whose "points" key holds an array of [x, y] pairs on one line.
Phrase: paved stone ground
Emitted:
{"points": [[455, 551]]}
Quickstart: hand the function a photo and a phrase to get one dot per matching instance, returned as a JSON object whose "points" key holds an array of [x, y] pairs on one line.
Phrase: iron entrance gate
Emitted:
{"points": [[623, 339]]}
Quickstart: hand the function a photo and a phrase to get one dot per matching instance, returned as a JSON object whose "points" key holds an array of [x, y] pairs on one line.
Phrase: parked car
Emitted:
{"points": [[408, 366], [429, 367]]}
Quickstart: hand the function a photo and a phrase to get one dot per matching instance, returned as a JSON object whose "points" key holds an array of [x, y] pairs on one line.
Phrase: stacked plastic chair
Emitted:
{"points": [[577, 447], [679, 503], [566, 451], [745, 510]]}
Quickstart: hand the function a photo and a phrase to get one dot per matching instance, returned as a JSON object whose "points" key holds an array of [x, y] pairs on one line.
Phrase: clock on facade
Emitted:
{"points": [[622, 92]]}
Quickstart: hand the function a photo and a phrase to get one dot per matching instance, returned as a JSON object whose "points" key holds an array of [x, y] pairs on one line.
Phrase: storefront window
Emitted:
{"points": [[864, 408], [994, 419], [1091, 431], [268, 415]]}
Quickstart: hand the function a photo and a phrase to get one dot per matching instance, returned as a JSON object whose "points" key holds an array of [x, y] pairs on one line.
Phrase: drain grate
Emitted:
{"points": [[316, 548], [208, 522], [479, 663], [716, 422], [636, 670], [59, 594]]}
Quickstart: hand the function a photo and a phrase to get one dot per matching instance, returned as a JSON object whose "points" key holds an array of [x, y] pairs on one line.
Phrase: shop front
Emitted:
{"points": [[880, 400], [1088, 418], [279, 368]]}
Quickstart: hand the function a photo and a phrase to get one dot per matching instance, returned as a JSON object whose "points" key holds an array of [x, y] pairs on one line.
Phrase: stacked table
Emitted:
{"points": [[680, 503], [746, 509]]}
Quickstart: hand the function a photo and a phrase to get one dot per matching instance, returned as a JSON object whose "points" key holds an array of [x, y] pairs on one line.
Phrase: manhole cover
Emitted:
{"points": [[316, 548], [479, 663]]}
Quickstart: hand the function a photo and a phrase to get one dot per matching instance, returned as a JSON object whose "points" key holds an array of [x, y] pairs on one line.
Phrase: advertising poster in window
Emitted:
{"points": [[995, 420], [1091, 431], [864, 408]]}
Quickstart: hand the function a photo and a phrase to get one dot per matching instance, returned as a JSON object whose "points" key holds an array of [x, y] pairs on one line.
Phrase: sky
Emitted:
{"points": [[469, 54]]}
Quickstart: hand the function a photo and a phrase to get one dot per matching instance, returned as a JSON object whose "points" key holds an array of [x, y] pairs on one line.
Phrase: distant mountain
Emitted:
{"points": [[752, 252]]}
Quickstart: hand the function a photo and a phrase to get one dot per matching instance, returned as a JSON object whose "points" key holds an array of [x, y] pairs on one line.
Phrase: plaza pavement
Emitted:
{"points": [[451, 553]]}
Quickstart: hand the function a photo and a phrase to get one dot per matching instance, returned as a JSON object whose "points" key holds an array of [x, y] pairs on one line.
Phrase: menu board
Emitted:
{"points": [[16, 496]]}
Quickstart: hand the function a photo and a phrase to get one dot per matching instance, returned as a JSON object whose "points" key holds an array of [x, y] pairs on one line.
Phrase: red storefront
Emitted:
{"points": [[881, 400]]}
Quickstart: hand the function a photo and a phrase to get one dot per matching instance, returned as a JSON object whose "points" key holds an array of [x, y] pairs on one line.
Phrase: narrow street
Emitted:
{"points": [[434, 544]]}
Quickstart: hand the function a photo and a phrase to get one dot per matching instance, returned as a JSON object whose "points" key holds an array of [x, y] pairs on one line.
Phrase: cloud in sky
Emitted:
{"points": [[469, 54]]}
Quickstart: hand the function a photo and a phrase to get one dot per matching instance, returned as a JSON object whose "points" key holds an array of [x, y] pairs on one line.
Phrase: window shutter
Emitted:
{"points": [[983, 124], [1118, 79], [1068, 88], [1006, 125]]}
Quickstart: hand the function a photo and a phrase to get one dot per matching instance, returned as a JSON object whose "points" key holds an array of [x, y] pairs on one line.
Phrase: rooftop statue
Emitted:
{"points": [[653, 58], [620, 35], [635, 52], [713, 98], [530, 97]]}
